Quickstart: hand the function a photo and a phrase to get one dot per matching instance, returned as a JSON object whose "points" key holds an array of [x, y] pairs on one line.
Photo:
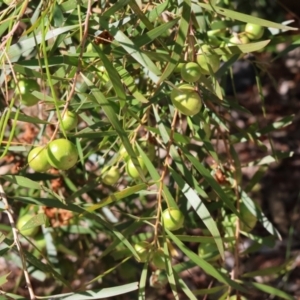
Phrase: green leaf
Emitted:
{"points": [[14, 52], [207, 267], [209, 291], [99, 294], [278, 155], [184, 287], [254, 134], [13, 296], [3, 279], [256, 211], [185, 13], [47, 268], [136, 9], [58, 16], [108, 110], [142, 283], [256, 178], [114, 8], [91, 134], [128, 232], [157, 10], [134, 51], [169, 269], [78, 209], [243, 17], [200, 209], [28, 119], [151, 35], [210, 180], [130, 84], [37, 220], [112, 73], [113, 198], [195, 239], [277, 271], [113, 268], [156, 177], [281, 123], [272, 291], [243, 48], [289, 48], [22, 181]]}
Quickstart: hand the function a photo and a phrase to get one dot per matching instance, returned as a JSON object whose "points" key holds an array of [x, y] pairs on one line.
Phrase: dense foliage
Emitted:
{"points": [[120, 148]]}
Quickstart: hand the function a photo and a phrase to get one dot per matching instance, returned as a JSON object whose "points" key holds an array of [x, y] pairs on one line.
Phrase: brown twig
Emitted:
{"points": [[162, 177], [75, 78], [10, 213], [235, 271], [11, 33]]}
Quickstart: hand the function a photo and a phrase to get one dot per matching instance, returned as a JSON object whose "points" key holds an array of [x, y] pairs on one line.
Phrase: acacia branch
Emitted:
{"points": [[15, 231]]}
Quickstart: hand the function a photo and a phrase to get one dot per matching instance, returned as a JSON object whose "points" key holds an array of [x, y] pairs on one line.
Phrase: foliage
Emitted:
{"points": [[114, 64]]}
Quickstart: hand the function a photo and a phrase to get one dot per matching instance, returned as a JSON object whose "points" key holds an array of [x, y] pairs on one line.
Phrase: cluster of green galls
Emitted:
{"points": [[63, 155], [184, 96], [172, 219], [59, 153]]}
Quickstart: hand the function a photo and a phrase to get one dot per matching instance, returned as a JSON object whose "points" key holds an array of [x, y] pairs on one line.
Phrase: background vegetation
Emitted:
{"points": [[115, 64]]}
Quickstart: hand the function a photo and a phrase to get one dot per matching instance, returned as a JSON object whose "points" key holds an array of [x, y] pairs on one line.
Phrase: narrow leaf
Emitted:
{"points": [[200, 209], [207, 267], [99, 294], [22, 181], [185, 13], [243, 17]]}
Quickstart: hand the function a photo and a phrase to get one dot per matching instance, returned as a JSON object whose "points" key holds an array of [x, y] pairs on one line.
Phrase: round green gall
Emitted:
{"points": [[205, 48], [217, 32], [24, 90], [206, 128], [214, 41], [156, 281], [208, 63], [69, 121], [186, 99], [238, 40], [249, 220], [158, 259], [22, 221], [209, 252], [179, 67], [40, 242], [62, 154], [89, 47], [148, 148], [151, 152], [127, 271], [191, 72], [173, 219], [40, 245], [254, 31], [132, 170], [123, 153], [111, 176], [143, 250], [38, 159]]}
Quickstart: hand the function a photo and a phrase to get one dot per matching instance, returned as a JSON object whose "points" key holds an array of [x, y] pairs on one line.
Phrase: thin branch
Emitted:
{"points": [[163, 175], [84, 38], [11, 33], [15, 231]]}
